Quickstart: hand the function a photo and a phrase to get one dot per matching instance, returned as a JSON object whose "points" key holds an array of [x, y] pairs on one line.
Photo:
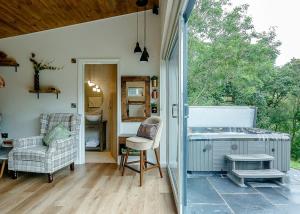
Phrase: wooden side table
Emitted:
{"points": [[122, 147], [4, 150]]}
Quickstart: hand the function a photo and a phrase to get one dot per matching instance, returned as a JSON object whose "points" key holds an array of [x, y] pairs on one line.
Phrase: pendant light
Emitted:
{"points": [[145, 54], [137, 48]]}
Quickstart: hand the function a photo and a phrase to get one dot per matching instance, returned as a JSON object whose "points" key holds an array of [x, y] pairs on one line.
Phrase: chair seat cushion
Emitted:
{"points": [[139, 143], [35, 153]]}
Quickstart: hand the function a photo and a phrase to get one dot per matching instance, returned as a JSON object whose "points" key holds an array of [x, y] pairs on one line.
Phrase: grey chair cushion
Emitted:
{"points": [[147, 130]]}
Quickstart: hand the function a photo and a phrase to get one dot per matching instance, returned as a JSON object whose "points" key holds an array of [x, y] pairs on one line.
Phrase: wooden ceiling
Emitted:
{"points": [[19, 17]]}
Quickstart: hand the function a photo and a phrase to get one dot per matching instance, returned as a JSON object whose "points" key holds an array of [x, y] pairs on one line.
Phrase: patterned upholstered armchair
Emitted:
{"points": [[31, 155]]}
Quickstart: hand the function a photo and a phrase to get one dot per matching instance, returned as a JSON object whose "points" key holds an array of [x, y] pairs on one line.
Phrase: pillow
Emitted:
{"points": [[56, 133], [147, 130]]}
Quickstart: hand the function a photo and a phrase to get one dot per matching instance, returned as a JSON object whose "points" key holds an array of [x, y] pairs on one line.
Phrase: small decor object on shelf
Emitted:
{"points": [[154, 81], [154, 94], [154, 108], [39, 66], [2, 82], [8, 61], [7, 143]]}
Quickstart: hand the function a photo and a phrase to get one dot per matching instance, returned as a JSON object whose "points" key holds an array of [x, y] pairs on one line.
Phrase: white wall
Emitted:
{"points": [[104, 39]]}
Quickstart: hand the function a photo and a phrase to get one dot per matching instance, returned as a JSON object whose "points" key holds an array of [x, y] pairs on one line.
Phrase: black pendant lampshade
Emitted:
{"points": [[146, 52], [141, 3], [145, 55], [137, 48]]}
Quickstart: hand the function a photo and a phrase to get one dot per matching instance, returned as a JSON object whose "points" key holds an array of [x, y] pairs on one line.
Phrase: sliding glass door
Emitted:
{"points": [[176, 118], [173, 117], [177, 108]]}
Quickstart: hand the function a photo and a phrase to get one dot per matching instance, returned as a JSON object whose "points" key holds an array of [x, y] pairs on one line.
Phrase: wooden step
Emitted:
{"points": [[250, 157], [259, 173]]}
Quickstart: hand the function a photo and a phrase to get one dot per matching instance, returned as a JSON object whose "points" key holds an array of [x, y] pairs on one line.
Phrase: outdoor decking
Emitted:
{"points": [[91, 188], [217, 194]]}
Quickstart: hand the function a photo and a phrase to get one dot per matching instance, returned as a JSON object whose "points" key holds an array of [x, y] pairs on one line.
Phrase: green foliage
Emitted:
{"points": [[228, 58]]}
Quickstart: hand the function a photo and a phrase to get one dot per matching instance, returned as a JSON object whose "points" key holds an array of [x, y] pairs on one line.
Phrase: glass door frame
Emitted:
{"points": [[179, 186], [174, 184], [181, 34]]}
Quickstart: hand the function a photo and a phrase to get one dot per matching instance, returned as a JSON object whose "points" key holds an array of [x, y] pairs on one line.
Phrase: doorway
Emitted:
{"points": [[100, 108], [98, 104]]}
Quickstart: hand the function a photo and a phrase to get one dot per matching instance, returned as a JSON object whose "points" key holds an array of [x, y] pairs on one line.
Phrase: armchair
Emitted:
{"points": [[31, 155]]}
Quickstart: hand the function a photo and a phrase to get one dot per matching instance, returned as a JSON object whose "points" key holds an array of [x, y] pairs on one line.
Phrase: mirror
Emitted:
{"points": [[135, 98], [135, 92]]}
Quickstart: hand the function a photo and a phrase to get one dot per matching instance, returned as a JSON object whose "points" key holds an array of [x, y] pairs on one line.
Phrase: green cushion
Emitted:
{"points": [[56, 133]]}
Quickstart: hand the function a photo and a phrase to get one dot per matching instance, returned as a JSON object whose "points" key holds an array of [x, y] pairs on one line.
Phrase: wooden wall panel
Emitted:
{"points": [[19, 17]]}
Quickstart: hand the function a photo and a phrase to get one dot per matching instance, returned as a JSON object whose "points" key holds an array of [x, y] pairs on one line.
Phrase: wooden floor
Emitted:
{"points": [[91, 188]]}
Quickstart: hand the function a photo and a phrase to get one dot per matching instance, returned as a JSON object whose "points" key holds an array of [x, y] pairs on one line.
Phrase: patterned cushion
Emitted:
{"points": [[58, 132], [35, 153], [147, 130]]}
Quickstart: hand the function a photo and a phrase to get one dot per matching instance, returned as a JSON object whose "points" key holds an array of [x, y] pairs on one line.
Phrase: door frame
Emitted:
{"points": [[174, 186], [180, 189], [179, 29], [80, 100]]}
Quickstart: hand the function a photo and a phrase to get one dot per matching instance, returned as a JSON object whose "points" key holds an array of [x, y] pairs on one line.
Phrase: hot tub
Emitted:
{"points": [[208, 146]]}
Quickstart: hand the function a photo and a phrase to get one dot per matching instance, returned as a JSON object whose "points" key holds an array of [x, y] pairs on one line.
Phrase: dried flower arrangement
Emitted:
{"points": [[40, 66]]}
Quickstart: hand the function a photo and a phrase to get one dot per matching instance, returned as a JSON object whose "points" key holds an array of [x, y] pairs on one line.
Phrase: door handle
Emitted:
{"points": [[174, 111], [186, 111]]}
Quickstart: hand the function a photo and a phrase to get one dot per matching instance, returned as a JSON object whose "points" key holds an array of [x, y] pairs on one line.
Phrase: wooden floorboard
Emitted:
{"points": [[91, 188]]}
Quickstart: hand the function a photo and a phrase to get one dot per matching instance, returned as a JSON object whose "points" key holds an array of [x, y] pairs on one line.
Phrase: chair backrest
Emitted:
{"points": [[69, 120], [155, 120]]}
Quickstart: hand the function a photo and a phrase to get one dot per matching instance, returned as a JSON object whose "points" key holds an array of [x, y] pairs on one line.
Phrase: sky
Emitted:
{"points": [[283, 14]]}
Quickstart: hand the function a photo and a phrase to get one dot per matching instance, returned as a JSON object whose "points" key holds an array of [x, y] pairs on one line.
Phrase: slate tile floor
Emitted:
{"points": [[216, 194]]}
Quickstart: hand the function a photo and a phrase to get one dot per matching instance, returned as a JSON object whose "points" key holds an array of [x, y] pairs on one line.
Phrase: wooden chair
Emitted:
{"points": [[142, 145]]}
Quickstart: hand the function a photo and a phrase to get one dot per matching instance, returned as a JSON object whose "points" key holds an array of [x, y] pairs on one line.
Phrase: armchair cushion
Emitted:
{"points": [[57, 133], [35, 153]]}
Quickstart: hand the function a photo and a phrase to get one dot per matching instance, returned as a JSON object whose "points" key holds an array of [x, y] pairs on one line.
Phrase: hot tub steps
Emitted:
{"points": [[250, 157], [238, 176]]}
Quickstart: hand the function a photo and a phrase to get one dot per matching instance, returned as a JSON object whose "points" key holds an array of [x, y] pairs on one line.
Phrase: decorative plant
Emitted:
{"points": [[153, 107], [40, 66], [154, 78]]}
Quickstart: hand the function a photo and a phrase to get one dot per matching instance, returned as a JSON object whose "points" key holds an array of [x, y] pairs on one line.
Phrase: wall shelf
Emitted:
{"points": [[10, 65], [45, 91]]}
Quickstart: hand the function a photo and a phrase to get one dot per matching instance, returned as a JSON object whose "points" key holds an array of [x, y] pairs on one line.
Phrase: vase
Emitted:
{"points": [[36, 81], [154, 94]]}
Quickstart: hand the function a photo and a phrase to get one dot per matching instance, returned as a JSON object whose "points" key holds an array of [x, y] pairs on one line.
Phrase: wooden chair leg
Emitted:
{"points": [[14, 174], [121, 161], [50, 177], [145, 158], [72, 166], [2, 168], [158, 163], [141, 167], [126, 158]]}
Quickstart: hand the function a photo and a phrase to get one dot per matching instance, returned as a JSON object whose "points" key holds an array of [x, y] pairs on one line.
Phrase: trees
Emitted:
{"points": [[228, 58]]}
